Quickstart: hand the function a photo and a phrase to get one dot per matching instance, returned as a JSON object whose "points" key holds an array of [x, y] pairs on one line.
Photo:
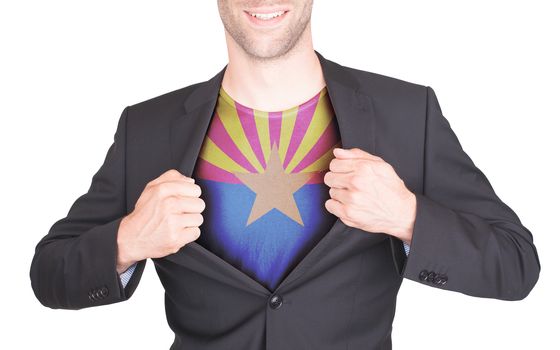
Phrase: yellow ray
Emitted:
{"points": [[232, 124], [319, 122], [262, 123], [286, 131], [211, 153], [323, 162]]}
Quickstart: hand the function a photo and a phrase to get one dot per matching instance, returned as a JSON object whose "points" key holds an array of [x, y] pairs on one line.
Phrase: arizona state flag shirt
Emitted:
{"points": [[261, 175]]}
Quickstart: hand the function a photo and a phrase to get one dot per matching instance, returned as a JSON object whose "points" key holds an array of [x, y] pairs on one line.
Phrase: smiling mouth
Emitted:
{"points": [[266, 19]]}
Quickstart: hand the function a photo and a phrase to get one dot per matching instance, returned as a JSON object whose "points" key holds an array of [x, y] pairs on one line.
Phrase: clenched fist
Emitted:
{"points": [[368, 194], [166, 216]]}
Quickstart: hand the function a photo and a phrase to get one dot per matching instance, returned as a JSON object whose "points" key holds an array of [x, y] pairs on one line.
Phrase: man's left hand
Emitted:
{"points": [[367, 193]]}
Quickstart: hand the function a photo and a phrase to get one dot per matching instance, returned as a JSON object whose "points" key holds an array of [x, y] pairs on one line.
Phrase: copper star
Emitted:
{"points": [[274, 189]]}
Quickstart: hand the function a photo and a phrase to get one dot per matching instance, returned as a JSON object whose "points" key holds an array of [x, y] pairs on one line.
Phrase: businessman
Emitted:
{"points": [[283, 201]]}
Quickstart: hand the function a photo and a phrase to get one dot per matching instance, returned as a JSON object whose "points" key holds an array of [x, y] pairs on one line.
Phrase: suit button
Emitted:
{"points": [[423, 275], [437, 279], [104, 291], [431, 276], [275, 302], [443, 280]]}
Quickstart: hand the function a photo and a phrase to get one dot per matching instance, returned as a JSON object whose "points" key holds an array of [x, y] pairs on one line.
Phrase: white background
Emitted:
{"points": [[68, 68]]}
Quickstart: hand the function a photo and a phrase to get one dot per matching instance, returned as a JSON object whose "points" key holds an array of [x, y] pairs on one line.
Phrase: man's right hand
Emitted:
{"points": [[166, 216]]}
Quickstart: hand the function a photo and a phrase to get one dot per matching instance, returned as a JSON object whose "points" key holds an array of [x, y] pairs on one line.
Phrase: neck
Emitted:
{"points": [[276, 84]]}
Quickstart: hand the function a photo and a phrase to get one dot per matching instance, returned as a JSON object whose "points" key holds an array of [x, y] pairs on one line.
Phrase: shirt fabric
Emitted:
{"points": [[261, 175]]}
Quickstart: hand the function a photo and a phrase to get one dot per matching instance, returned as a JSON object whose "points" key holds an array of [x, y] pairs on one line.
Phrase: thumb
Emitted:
{"points": [[344, 153]]}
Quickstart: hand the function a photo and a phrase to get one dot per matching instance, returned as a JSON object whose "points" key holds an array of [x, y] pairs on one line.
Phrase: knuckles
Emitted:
{"points": [[353, 196], [362, 167], [169, 203]]}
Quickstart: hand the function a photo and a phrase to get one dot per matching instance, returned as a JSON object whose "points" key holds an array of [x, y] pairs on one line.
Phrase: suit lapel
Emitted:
{"points": [[356, 120]]}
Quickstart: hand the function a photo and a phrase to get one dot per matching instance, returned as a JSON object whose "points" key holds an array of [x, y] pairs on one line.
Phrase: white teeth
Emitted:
{"points": [[267, 15]]}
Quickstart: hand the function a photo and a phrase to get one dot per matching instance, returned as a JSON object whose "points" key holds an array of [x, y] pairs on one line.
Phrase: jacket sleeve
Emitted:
{"points": [[74, 265], [465, 239]]}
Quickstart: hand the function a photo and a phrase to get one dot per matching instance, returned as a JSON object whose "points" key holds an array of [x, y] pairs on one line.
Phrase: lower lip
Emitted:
{"points": [[266, 22]]}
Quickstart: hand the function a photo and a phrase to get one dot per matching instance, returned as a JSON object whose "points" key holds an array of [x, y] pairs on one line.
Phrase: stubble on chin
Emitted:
{"points": [[278, 47]]}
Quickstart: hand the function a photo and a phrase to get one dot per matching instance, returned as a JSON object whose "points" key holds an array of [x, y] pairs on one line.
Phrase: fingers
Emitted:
{"points": [[181, 238], [189, 234], [354, 153], [176, 188], [184, 220], [186, 229], [339, 167], [338, 180], [335, 207], [171, 175], [341, 195], [180, 204], [342, 165]]}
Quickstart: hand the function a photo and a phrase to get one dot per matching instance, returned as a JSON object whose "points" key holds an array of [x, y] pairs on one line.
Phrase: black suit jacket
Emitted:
{"points": [[342, 294]]}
